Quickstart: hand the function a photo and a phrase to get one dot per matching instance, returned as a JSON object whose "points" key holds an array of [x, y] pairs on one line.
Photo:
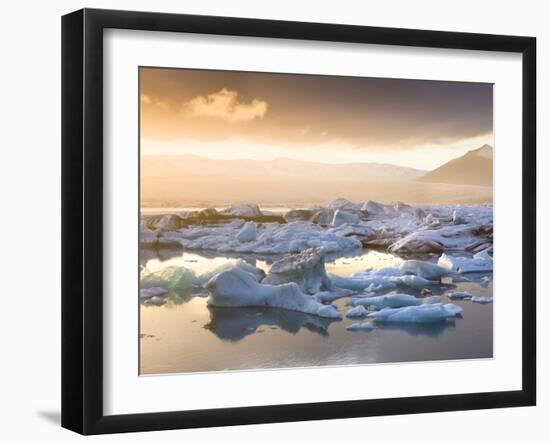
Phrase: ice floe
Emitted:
{"points": [[271, 238], [248, 232], [364, 326], [459, 295], [155, 301], [340, 226], [155, 291], [245, 210], [239, 288], [424, 313], [387, 301], [481, 299], [340, 217], [480, 262], [357, 312], [307, 269]]}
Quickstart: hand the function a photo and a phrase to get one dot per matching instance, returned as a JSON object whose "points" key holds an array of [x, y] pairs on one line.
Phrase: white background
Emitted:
{"points": [[30, 187]]}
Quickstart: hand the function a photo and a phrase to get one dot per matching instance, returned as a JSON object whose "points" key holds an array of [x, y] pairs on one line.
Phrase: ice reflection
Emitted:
{"points": [[419, 329], [234, 324]]}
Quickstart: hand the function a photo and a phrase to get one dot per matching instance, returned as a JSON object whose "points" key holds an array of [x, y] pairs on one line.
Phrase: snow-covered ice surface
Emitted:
{"points": [[405, 272]]}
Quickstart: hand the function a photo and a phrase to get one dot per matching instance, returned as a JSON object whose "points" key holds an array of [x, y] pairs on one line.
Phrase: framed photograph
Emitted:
{"points": [[269, 221]]}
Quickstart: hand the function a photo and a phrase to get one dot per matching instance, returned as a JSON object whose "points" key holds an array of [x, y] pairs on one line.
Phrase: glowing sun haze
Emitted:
{"points": [[234, 115]]}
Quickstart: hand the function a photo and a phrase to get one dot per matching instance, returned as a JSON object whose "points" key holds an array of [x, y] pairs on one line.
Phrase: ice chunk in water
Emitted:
{"points": [[459, 295], [364, 326], [479, 263], [387, 301], [357, 312], [481, 300], [171, 278], [248, 232], [240, 288], [425, 313], [155, 301], [147, 293]]}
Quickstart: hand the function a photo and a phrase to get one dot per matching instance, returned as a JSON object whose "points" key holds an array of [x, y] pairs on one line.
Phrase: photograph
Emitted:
{"points": [[292, 220]]}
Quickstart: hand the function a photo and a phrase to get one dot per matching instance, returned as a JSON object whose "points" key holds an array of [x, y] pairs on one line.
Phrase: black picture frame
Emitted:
{"points": [[82, 219]]}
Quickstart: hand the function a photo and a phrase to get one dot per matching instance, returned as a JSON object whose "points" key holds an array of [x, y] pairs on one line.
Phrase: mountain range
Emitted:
{"points": [[166, 166], [473, 168]]}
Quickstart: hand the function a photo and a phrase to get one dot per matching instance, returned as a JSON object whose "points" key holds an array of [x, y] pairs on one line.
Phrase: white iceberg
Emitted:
{"points": [[387, 301], [357, 312], [459, 295], [481, 299], [364, 326], [426, 270], [373, 208], [367, 282], [244, 210], [413, 282], [307, 269], [341, 216], [480, 262], [238, 288], [272, 238], [425, 313], [248, 232], [329, 296]]}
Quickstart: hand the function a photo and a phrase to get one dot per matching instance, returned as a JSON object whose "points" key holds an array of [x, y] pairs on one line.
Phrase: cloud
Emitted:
{"points": [[224, 104], [145, 99]]}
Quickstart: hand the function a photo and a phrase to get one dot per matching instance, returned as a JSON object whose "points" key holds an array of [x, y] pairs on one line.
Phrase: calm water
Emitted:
{"points": [[187, 336]]}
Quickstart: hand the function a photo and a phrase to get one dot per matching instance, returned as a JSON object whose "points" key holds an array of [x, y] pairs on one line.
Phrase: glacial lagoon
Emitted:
{"points": [[185, 335]]}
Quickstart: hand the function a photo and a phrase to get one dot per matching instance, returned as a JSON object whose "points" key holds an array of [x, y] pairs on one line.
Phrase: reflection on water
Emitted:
{"points": [[419, 329], [185, 335], [206, 261], [234, 324]]}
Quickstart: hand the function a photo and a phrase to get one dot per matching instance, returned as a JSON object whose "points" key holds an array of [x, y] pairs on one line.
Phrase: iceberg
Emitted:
{"points": [[342, 203], [329, 296], [298, 215], [169, 222], [413, 281], [147, 237], [426, 270], [364, 326], [342, 216], [155, 291], [367, 282], [271, 239], [481, 300], [480, 262], [155, 301], [425, 313], [244, 210], [387, 301], [170, 278], [459, 295], [467, 235], [307, 269], [357, 312], [373, 208], [248, 232], [322, 216], [238, 288]]}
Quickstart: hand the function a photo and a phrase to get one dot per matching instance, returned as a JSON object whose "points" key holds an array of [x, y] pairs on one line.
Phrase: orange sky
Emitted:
{"points": [[228, 115]]}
